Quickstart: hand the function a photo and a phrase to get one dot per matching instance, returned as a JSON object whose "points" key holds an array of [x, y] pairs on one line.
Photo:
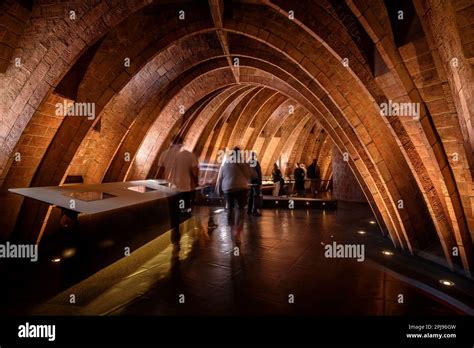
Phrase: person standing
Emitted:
{"points": [[234, 179], [277, 180], [314, 176], [299, 180], [288, 171], [255, 188], [181, 169]]}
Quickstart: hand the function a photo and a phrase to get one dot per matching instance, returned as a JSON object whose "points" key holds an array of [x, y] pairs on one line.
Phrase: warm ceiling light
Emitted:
{"points": [[361, 232], [56, 260], [446, 282], [388, 253], [372, 222]]}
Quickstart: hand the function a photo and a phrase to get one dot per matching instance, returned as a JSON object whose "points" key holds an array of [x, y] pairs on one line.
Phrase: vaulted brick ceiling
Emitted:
{"points": [[332, 63]]}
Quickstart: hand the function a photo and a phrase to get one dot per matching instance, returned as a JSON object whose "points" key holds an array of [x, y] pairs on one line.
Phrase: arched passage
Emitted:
{"points": [[182, 77]]}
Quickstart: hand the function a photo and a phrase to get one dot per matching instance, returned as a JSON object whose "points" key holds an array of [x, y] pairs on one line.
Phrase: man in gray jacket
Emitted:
{"points": [[234, 179]]}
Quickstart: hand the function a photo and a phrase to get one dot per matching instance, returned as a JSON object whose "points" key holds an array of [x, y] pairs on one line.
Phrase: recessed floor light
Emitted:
{"points": [[69, 252], [361, 232], [388, 253], [446, 282]]}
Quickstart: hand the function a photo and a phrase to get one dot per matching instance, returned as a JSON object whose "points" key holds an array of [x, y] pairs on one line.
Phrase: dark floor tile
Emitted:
{"points": [[281, 257]]}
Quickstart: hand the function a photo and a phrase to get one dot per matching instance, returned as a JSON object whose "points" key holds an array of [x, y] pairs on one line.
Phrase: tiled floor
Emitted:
{"points": [[279, 268]]}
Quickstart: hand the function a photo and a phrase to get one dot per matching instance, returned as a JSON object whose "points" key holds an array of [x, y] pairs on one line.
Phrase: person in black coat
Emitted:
{"points": [[299, 180], [277, 179], [254, 201], [314, 176]]}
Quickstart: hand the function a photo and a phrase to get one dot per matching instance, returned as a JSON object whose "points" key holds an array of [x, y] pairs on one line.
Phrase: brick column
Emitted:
{"points": [[345, 185]]}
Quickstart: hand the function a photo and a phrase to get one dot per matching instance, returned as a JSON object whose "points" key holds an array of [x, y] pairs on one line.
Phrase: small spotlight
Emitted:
{"points": [[446, 282], [276, 202], [56, 260], [307, 203], [388, 253], [361, 232], [372, 222], [69, 252], [106, 243], [324, 203]]}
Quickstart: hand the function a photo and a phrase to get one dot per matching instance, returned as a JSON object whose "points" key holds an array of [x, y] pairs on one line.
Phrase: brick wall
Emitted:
{"points": [[345, 185], [13, 21]]}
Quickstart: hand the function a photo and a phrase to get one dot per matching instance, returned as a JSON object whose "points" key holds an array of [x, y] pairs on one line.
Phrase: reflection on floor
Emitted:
{"points": [[279, 269]]}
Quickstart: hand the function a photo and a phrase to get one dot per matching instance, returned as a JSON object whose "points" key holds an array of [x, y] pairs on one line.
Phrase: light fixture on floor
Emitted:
{"points": [[105, 243], [69, 252], [56, 260], [388, 253], [361, 232], [446, 282], [372, 222]]}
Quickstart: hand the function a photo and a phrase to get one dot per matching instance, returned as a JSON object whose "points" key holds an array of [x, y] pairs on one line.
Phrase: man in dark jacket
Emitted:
{"points": [[299, 180], [255, 189], [313, 175]]}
